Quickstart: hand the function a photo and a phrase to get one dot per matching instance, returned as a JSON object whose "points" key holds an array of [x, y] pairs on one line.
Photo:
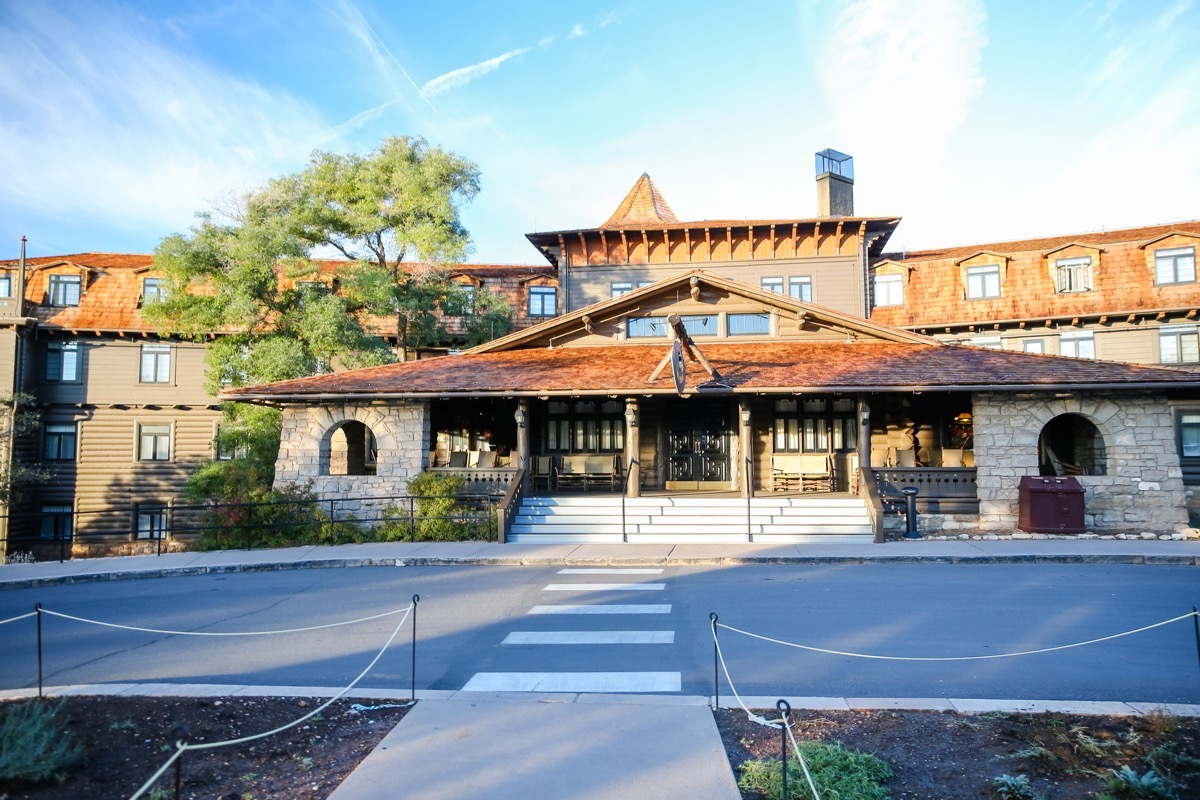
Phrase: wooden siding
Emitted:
{"points": [[109, 373], [837, 282]]}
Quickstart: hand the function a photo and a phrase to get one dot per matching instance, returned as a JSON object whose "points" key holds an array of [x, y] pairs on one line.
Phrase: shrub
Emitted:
{"points": [[839, 774], [440, 515], [20, 557], [1126, 782], [1014, 787], [33, 745]]}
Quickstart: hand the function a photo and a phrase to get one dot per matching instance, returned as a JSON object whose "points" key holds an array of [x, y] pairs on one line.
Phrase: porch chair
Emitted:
{"points": [[879, 457], [458, 459], [906, 458], [542, 472], [573, 472], [952, 457], [472, 459], [487, 459], [969, 458], [785, 472], [601, 469]]}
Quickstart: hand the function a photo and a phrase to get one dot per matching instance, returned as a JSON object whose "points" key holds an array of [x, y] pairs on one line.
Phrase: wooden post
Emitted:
{"points": [[746, 446], [632, 448], [522, 417]]}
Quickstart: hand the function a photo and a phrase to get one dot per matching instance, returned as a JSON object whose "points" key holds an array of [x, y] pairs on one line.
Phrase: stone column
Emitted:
{"points": [[632, 448]]}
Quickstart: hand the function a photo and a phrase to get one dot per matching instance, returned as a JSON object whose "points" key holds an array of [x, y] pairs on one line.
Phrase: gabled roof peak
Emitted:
{"points": [[643, 205]]}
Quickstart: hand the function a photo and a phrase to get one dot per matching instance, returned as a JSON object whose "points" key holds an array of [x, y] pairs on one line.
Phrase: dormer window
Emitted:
{"points": [[983, 282], [889, 290], [1073, 275], [1175, 265], [5, 285], [64, 290], [152, 289]]}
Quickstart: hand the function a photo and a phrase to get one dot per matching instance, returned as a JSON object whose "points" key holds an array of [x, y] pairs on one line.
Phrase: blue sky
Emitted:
{"points": [[974, 121]]}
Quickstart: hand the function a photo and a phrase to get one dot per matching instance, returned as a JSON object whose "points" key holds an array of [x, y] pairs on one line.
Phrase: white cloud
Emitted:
{"points": [[464, 75], [105, 122], [576, 31]]}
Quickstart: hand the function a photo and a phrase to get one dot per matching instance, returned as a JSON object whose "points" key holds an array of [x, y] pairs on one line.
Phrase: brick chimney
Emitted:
{"points": [[835, 184]]}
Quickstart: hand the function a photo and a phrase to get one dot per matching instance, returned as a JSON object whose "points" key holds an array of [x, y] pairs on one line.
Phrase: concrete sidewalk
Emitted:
{"points": [[997, 551]]}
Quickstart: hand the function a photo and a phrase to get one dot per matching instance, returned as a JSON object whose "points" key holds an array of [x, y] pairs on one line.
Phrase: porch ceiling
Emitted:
{"points": [[762, 367]]}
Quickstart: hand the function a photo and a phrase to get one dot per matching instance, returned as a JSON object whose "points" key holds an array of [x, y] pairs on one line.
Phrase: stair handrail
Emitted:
{"points": [[624, 492], [506, 509]]}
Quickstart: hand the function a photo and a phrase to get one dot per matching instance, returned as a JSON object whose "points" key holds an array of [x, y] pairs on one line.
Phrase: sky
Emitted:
{"points": [[974, 121]]}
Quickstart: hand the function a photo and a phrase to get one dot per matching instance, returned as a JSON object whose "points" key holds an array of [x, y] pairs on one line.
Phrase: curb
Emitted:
{"points": [[802, 561]]}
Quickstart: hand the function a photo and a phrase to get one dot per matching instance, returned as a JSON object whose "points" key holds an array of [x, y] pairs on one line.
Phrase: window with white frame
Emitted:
{"points": [[64, 290], [151, 521], [468, 291], [62, 361], [228, 450], [5, 285], [56, 522], [747, 324], [646, 327], [58, 441], [772, 284], [1175, 265], [1034, 345], [543, 301], [1077, 344], [1073, 275], [154, 443], [800, 287], [1189, 434], [986, 342], [889, 290], [1178, 344], [983, 282], [156, 363], [619, 288]]}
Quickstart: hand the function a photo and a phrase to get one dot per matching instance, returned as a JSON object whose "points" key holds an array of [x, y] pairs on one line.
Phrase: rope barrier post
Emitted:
{"points": [[1196, 625], [712, 618], [784, 708], [412, 687], [38, 609], [180, 736]]}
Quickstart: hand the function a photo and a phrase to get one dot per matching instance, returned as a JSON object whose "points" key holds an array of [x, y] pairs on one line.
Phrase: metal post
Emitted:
{"points": [[412, 519], [716, 683], [179, 777], [749, 496], [38, 608], [910, 512], [412, 690], [784, 708], [1196, 625]]}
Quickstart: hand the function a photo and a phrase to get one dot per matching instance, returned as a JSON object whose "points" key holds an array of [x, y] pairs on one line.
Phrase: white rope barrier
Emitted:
{"points": [[14, 619], [218, 633], [770, 723], [1188, 615], [181, 747]]}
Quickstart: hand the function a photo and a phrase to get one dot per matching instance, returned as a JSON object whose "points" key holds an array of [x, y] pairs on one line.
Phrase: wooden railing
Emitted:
{"points": [[508, 507], [940, 490]]}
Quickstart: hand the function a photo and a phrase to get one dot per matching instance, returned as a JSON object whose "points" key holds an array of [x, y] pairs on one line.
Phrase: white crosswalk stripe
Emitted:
{"points": [[615, 608], [590, 637], [545, 648]]}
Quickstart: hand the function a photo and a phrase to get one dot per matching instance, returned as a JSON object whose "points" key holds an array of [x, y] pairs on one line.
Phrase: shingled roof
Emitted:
{"points": [[644, 205], [747, 368]]}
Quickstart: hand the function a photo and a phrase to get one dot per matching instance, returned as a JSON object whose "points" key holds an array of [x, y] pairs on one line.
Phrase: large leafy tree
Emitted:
{"points": [[258, 278]]}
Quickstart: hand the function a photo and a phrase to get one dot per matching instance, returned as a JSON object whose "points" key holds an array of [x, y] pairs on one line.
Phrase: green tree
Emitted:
{"points": [[254, 278]]}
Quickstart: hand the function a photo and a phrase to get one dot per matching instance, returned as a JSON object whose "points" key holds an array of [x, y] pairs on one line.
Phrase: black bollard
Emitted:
{"points": [[784, 708], [712, 617], [910, 512], [412, 689]]}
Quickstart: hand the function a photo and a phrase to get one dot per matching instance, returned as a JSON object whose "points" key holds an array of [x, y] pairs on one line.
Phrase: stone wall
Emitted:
{"points": [[1142, 490], [401, 429]]}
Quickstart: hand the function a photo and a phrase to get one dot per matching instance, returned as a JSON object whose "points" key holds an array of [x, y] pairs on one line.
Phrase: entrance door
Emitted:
{"points": [[699, 458]]}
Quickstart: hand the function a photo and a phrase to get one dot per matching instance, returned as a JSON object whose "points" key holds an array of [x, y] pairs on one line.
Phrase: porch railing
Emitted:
{"points": [[509, 505], [481, 480], [940, 490]]}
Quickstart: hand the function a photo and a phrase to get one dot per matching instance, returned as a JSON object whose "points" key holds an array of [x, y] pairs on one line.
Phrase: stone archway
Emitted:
{"points": [[349, 448], [1071, 444]]}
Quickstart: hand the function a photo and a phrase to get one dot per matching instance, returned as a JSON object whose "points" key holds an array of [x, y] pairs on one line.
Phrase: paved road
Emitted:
{"points": [[523, 628]]}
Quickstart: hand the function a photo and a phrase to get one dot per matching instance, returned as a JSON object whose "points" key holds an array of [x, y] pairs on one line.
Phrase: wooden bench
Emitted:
{"points": [[582, 471], [805, 472]]}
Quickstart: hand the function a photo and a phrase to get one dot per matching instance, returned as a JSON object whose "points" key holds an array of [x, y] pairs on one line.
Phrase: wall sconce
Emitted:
{"points": [[745, 415], [631, 415], [864, 416], [519, 416]]}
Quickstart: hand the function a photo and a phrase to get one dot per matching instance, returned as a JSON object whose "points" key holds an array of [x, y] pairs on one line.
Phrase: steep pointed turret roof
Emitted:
{"points": [[643, 205]]}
